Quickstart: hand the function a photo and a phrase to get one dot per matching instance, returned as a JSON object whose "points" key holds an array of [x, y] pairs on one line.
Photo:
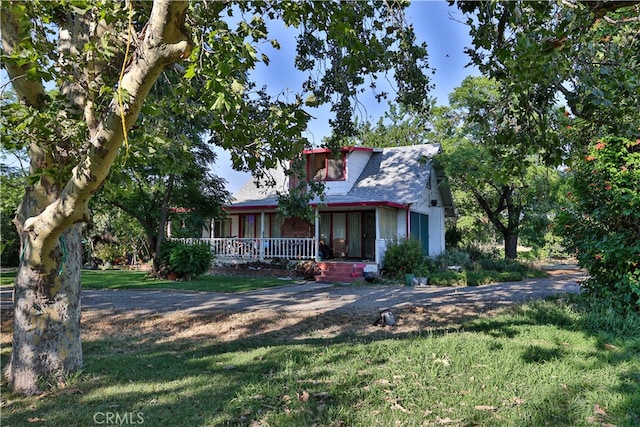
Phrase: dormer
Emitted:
{"points": [[337, 169]]}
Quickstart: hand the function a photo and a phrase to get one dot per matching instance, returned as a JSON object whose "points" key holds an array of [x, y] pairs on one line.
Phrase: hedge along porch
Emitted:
{"points": [[372, 196]]}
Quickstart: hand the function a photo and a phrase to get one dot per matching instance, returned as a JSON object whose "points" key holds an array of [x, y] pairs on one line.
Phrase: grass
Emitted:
{"points": [[544, 363], [131, 279]]}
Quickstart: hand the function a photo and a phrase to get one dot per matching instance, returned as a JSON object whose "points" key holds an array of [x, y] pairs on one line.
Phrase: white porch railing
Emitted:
{"points": [[260, 248]]}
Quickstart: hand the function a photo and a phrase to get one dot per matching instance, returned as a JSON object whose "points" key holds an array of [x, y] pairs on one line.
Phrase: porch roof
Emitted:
{"points": [[343, 201]]}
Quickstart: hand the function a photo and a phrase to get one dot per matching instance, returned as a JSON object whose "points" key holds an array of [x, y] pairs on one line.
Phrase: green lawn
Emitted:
{"points": [[128, 279], [546, 363]]}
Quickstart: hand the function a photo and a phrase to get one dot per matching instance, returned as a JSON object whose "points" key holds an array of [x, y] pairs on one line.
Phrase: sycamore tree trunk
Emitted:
{"points": [[46, 331]]}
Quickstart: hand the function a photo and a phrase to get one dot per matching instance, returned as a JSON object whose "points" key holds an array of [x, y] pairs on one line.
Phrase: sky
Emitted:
{"points": [[435, 23]]}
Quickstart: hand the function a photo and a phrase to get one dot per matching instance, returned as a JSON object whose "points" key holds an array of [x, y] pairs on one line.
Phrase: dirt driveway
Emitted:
{"points": [[303, 311]]}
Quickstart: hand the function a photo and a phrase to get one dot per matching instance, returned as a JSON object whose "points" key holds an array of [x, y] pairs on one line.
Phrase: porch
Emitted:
{"points": [[268, 248], [236, 251], [251, 249]]}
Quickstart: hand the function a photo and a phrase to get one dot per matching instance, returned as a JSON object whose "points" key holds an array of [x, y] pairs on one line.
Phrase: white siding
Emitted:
{"points": [[356, 162]]}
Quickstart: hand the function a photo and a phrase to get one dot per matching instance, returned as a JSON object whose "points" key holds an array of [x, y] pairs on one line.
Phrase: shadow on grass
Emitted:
{"points": [[241, 368]]}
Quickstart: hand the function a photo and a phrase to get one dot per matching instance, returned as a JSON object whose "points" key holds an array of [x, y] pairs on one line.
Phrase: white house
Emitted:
{"points": [[372, 196]]}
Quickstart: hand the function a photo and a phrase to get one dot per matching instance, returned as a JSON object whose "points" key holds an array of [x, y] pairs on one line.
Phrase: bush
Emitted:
{"points": [[454, 257], [601, 224], [186, 260], [485, 277], [403, 257], [502, 265], [448, 278]]}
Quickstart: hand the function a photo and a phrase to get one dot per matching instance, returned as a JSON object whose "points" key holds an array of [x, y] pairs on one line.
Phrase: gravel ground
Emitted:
{"points": [[306, 310]]}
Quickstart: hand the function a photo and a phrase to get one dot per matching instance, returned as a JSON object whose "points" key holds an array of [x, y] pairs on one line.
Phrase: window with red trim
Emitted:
{"points": [[325, 167]]}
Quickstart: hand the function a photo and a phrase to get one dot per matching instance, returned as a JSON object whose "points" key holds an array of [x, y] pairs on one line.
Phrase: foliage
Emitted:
{"points": [[308, 270], [497, 176], [187, 260], [399, 126], [601, 224], [12, 183], [113, 227], [447, 278], [453, 257], [402, 257], [485, 277], [503, 265], [108, 253], [586, 51]]}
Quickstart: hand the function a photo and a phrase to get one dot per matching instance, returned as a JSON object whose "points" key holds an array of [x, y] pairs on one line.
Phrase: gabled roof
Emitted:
{"points": [[393, 176], [396, 174]]}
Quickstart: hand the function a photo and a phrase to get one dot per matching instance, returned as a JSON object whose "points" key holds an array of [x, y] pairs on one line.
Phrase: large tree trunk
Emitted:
{"points": [[46, 337], [46, 333]]}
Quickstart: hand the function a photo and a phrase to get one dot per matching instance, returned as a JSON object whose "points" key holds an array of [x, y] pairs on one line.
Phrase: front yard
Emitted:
{"points": [[544, 363]]}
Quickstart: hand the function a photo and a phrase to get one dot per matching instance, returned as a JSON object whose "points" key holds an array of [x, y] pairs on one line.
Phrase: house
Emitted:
{"points": [[372, 196]]}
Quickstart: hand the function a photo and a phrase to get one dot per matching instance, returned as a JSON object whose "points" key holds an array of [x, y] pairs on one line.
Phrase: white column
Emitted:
{"points": [[317, 233], [261, 236], [376, 252]]}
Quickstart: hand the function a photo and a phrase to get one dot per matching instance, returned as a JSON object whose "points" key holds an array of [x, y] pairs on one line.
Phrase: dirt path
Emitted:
{"points": [[309, 310]]}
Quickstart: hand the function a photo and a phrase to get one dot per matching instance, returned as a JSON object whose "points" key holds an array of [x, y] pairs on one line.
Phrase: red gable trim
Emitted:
{"points": [[343, 150]]}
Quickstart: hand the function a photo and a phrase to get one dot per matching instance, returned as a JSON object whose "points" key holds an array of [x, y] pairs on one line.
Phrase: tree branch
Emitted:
{"points": [[29, 90], [166, 40]]}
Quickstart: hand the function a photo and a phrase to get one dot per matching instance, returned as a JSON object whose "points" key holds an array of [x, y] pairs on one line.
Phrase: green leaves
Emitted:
{"points": [[601, 222]]}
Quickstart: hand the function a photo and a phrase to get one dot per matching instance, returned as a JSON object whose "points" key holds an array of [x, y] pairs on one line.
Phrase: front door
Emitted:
{"points": [[369, 235]]}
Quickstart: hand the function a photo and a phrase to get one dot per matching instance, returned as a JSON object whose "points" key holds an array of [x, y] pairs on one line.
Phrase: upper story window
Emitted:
{"points": [[326, 167]]}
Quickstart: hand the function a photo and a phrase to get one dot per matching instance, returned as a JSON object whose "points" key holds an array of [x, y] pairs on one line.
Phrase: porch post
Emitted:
{"points": [[376, 252], [317, 233], [261, 236]]}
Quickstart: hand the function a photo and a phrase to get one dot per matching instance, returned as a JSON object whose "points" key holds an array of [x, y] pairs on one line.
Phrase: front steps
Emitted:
{"points": [[341, 271]]}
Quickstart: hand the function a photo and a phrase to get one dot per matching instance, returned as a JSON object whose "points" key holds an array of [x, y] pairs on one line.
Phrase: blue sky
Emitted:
{"points": [[435, 23]]}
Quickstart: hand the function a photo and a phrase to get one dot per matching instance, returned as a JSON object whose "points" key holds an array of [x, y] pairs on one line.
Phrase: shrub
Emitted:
{"points": [[186, 260], [108, 252], [403, 257], [485, 277], [454, 257], [448, 278], [502, 265], [308, 270]]}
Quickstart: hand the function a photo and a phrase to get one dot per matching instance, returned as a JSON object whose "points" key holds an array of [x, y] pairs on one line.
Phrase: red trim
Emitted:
{"points": [[326, 157], [357, 204], [258, 209], [343, 150]]}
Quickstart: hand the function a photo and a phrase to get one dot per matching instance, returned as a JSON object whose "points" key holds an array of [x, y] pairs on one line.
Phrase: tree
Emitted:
{"points": [[601, 222], [167, 167], [102, 59], [12, 182], [587, 54], [490, 155]]}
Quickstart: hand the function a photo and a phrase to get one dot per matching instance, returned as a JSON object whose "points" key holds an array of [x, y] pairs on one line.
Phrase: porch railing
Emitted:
{"points": [[260, 248]]}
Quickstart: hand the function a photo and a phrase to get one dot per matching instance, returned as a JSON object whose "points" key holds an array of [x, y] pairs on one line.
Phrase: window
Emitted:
{"points": [[324, 167], [222, 228], [248, 225], [419, 229]]}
